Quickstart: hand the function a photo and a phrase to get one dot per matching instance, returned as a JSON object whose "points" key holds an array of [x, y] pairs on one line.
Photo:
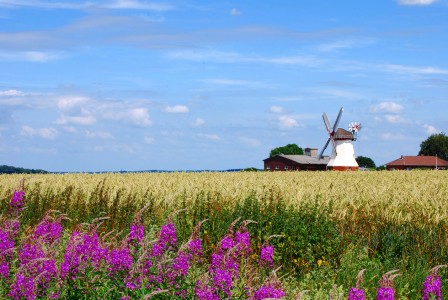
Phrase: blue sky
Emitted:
{"points": [[186, 85]]}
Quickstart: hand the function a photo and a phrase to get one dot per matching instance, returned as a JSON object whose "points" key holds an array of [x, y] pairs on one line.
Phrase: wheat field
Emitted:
{"points": [[398, 197]]}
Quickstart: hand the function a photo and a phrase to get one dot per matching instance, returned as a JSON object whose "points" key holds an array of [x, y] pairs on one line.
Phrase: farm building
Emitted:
{"points": [[414, 162], [307, 162]]}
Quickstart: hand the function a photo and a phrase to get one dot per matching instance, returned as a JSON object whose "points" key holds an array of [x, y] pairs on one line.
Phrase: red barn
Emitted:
{"points": [[307, 162], [414, 162]]}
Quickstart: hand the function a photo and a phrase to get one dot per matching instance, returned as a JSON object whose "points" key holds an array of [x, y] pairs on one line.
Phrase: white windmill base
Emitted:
{"points": [[345, 160]]}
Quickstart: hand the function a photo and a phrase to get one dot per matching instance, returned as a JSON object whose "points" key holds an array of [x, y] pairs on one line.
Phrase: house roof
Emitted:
{"points": [[421, 161], [303, 159]]}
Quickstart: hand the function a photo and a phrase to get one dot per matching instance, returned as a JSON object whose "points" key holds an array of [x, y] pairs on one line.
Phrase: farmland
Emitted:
{"points": [[327, 225]]}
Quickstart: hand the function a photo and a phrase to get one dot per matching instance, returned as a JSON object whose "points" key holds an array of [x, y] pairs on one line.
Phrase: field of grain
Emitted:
{"points": [[328, 225], [420, 197]]}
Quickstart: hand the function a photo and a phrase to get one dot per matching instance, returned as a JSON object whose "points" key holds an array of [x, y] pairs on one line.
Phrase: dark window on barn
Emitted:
{"points": [[286, 167], [277, 168], [276, 158], [268, 167]]}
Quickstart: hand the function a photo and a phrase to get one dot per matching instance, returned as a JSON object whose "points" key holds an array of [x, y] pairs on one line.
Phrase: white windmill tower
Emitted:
{"points": [[343, 154]]}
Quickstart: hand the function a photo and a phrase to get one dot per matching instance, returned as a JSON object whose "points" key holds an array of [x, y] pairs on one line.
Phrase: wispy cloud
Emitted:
{"points": [[276, 109], [230, 81], [148, 140], [210, 136], [46, 133], [345, 44], [100, 134], [386, 107], [81, 120], [198, 123], [416, 2], [409, 69], [117, 4], [249, 141], [32, 56], [178, 109], [392, 136], [235, 12]]}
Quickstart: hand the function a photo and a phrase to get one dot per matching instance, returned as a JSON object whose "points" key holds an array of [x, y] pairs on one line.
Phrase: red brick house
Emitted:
{"points": [[414, 162], [307, 162]]}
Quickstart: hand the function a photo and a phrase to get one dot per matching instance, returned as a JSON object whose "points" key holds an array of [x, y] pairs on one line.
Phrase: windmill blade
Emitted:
{"points": [[334, 146], [336, 123], [325, 147], [327, 122]]}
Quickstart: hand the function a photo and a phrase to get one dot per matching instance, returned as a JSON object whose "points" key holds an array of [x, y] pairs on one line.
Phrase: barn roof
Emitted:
{"points": [[303, 159], [421, 161]]}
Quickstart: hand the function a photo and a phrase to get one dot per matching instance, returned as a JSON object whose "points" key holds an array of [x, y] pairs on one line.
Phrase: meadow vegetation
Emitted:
{"points": [[326, 226]]}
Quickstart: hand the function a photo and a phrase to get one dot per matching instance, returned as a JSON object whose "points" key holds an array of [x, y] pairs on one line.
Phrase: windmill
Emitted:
{"points": [[343, 154]]}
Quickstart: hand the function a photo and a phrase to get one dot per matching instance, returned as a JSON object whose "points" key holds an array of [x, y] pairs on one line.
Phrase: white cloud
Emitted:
{"points": [[345, 44], [198, 123], [396, 119], [148, 140], [32, 56], [288, 98], [67, 103], [386, 107], [100, 134], [392, 136], [41, 150], [117, 4], [176, 109], [276, 109], [235, 12], [249, 141], [210, 136], [431, 129], [230, 81], [416, 2], [81, 120], [98, 148], [285, 122], [407, 69], [70, 129], [137, 116], [11, 93], [46, 133]]}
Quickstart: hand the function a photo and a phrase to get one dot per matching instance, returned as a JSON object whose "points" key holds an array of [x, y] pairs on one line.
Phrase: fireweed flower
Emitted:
{"points": [[432, 285], [386, 290], [356, 293]]}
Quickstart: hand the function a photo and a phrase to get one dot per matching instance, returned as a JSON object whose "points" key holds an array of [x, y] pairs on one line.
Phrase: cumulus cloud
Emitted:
{"points": [[285, 122], [249, 141], [431, 129], [178, 109], [46, 133], [210, 136], [392, 136], [70, 129], [137, 116], [276, 109], [416, 2], [100, 134], [386, 107], [81, 120], [396, 119], [235, 12], [69, 102], [148, 140], [198, 123], [11, 93]]}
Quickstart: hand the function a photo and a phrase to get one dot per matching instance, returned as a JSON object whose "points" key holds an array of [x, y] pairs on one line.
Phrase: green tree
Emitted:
{"points": [[435, 144], [365, 162], [290, 149], [381, 168]]}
